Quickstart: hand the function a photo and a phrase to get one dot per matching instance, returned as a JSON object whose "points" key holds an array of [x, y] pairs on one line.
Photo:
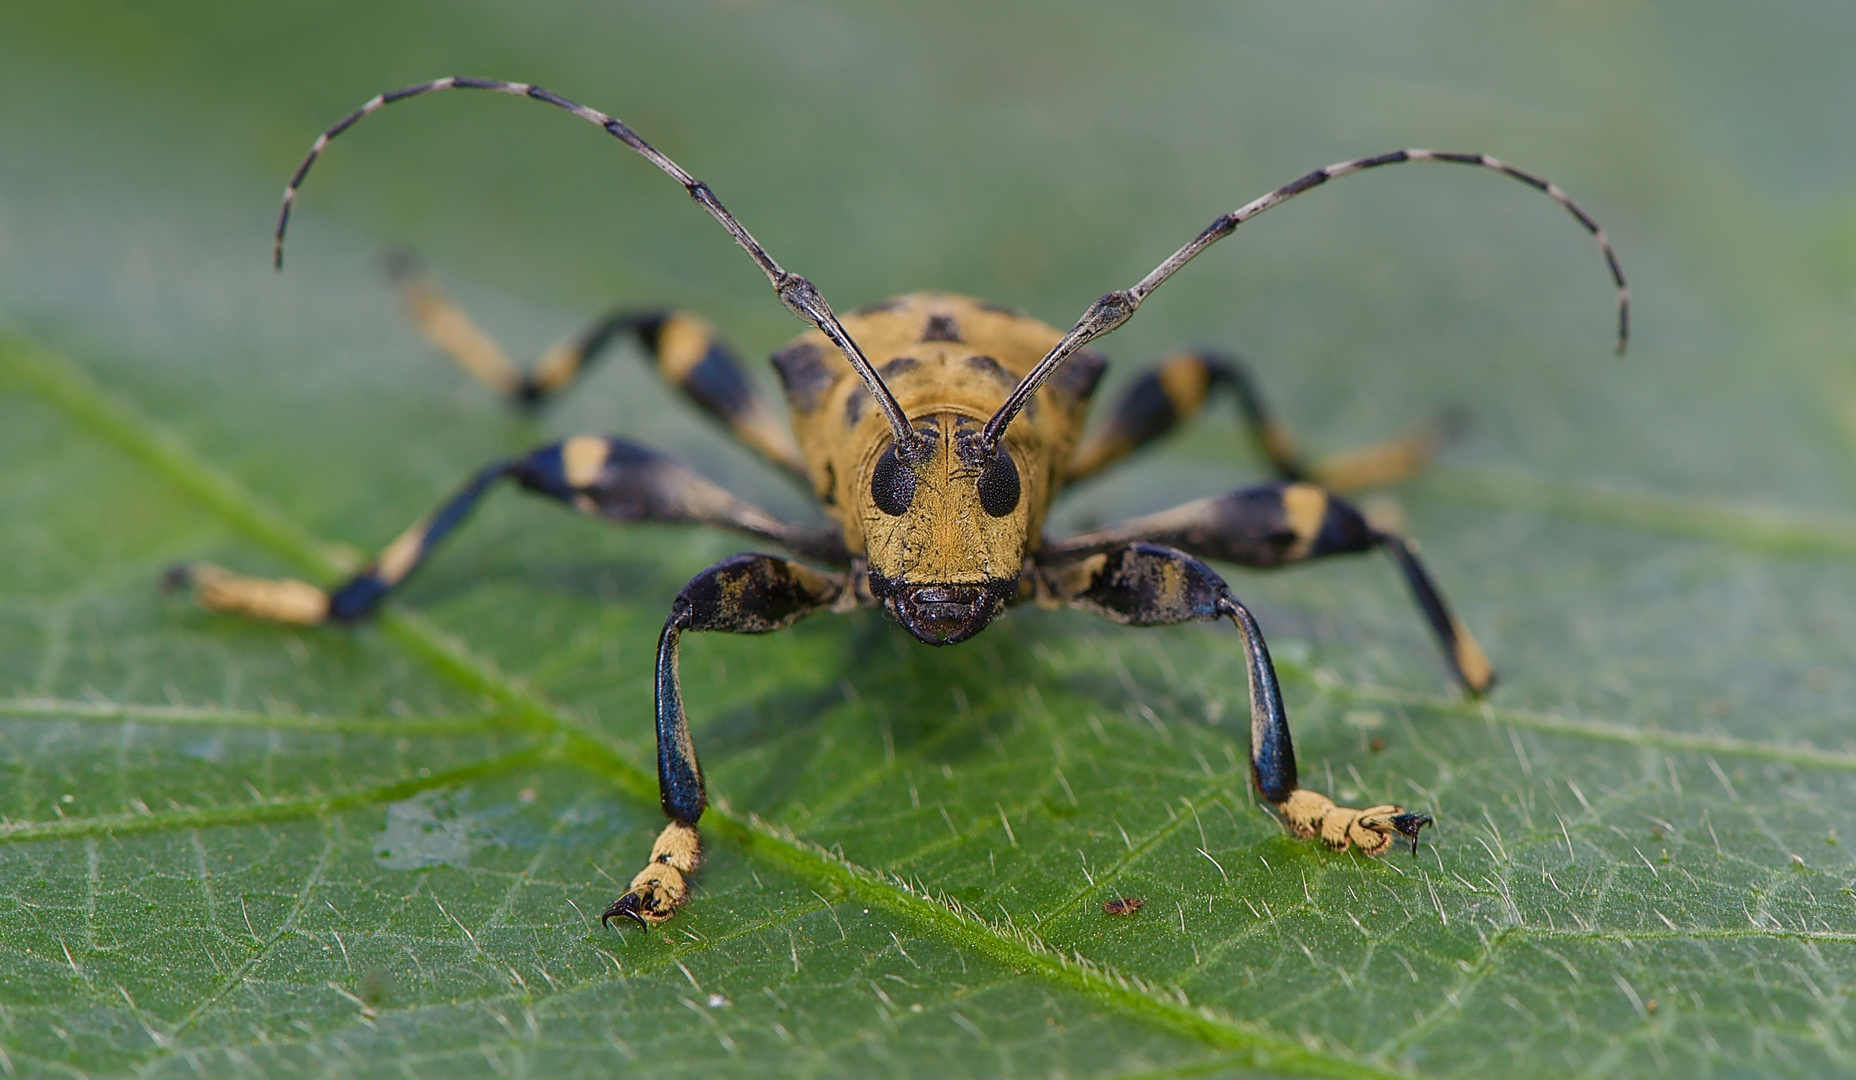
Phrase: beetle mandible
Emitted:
{"points": [[935, 431]]}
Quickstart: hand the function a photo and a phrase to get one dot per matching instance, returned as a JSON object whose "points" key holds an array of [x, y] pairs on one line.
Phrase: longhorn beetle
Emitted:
{"points": [[935, 430]]}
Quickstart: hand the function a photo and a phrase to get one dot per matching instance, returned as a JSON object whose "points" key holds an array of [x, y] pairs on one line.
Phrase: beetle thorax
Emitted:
{"points": [[970, 516]]}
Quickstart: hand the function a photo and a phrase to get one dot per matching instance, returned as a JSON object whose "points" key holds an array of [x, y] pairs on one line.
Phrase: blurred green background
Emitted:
{"points": [[229, 848]]}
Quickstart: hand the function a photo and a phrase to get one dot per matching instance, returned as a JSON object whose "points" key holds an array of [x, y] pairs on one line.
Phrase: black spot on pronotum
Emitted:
{"points": [[987, 366], [941, 328], [901, 365], [1076, 380], [804, 375], [999, 485], [892, 484]]}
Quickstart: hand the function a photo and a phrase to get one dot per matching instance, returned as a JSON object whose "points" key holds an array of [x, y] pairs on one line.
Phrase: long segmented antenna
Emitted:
{"points": [[798, 294], [1118, 307]]}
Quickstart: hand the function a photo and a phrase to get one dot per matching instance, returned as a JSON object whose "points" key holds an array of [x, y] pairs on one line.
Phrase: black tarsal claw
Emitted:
{"points": [[1408, 825], [628, 906]]}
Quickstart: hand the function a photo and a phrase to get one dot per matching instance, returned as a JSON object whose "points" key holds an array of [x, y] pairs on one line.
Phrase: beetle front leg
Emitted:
{"points": [[742, 594], [1144, 584]]}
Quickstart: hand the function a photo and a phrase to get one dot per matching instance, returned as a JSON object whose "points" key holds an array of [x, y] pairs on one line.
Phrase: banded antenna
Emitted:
{"points": [[1118, 307], [798, 294]]}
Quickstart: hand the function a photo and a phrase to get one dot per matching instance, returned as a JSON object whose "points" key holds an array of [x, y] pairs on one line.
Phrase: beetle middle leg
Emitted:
{"points": [[608, 477], [1143, 584], [1177, 389], [742, 594], [684, 349], [1271, 525]]}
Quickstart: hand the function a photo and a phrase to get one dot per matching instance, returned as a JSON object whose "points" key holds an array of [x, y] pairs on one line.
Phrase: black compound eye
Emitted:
{"points": [[999, 485], [892, 484]]}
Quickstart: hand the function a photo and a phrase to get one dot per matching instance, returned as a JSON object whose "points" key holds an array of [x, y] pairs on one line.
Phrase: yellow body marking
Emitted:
{"points": [[446, 326], [1186, 381], [1306, 507], [399, 557], [582, 458], [682, 342]]}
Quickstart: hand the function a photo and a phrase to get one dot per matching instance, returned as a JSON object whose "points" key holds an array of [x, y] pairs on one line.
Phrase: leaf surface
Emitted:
{"points": [[232, 848]]}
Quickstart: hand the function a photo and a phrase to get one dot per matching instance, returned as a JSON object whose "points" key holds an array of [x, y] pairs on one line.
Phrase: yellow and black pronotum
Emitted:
{"points": [[935, 431]]}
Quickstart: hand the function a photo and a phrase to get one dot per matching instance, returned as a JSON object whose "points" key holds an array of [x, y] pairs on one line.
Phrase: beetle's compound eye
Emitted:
{"points": [[999, 485], [892, 484]]}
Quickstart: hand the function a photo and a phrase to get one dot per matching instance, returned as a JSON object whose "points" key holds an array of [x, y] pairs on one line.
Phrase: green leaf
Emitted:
{"points": [[234, 848]]}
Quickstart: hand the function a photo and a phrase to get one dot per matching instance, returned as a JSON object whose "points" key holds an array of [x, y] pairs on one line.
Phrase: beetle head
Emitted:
{"points": [[945, 525]]}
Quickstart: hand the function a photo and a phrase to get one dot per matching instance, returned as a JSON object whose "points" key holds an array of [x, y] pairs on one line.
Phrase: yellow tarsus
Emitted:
{"points": [[284, 600], [659, 889], [1309, 815], [1472, 661]]}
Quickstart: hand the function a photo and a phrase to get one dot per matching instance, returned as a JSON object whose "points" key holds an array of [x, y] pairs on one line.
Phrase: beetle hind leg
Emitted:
{"points": [[686, 351], [1178, 388]]}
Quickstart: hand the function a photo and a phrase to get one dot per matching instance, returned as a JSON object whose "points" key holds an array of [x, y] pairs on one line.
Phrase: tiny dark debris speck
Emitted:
{"points": [[376, 988]]}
